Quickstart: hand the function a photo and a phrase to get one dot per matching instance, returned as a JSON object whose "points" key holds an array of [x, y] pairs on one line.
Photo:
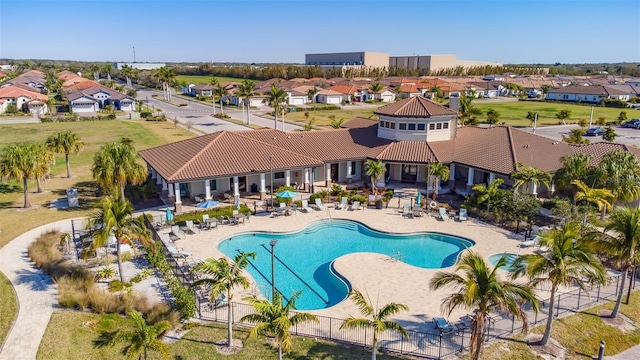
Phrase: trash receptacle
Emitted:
{"points": [[254, 188]]}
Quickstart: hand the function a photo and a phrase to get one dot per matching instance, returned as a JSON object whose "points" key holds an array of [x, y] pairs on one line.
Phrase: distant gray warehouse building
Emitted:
{"points": [[434, 62], [362, 58], [139, 65]]}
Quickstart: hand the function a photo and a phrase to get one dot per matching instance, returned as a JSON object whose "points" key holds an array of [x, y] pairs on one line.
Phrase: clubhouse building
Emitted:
{"points": [[409, 135]]}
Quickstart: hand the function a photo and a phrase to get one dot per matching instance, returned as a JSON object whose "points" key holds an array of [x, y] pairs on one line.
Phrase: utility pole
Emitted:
{"points": [[535, 121], [591, 117], [134, 54]]}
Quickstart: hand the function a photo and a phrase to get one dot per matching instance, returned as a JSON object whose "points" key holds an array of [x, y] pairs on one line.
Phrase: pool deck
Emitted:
{"points": [[384, 279]]}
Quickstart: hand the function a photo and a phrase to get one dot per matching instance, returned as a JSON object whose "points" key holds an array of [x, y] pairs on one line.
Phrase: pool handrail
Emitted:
{"points": [[267, 280]]}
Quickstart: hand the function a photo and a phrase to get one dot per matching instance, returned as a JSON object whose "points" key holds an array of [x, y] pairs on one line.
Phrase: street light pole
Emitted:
{"points": [[147, 102], [273, 243], [270, 182]]}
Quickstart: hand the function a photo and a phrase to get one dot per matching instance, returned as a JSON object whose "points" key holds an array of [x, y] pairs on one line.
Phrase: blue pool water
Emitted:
{"points": [[493, 259], [303, 260]]}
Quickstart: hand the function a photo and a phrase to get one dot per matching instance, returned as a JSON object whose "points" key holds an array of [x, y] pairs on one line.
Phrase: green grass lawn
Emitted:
{"points": [[70, 335], [322, 117], [514, 113], [8, 307], [202, 79]]}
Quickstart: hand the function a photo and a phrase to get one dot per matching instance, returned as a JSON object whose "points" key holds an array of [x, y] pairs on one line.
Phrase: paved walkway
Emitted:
{"points": [[629, 354], [36, 294]]}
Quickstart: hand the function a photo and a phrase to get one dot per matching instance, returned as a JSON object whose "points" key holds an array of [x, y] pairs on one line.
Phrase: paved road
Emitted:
{"points": [[201, 115], [625, 136]]}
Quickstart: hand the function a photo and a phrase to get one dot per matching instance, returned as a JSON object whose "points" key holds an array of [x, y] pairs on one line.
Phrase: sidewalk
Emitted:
{"points": [[629, 354], [36, 294]]}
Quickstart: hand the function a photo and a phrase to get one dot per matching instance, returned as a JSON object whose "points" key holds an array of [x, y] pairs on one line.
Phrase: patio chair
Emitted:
{"points": [[355, 206], [203, 223], [198, 199], [189, 227], [443, 214], [173, 251], [175, 231], [247, 217], [417, 212], [405, 208], [294, 208], [166, 240], [305, 206], [443, 326], [283, 205], [279, 212], [532, 242], [343, 204], [462, 216], [319, 204]]}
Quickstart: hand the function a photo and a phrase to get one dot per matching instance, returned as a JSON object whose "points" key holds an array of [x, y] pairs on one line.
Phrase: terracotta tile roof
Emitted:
{"points": [[411, 88], [588, 90], [74, 86], [416, 106], [13, 91], [221, 154], [343, 89], [485, 148], [407, 152], [329, 92], [360, 123]]}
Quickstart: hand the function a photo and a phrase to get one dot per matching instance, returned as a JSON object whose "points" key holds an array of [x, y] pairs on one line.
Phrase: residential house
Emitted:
{"points": [[25, 99], [349, 92], [410, 90], [633, 82], [329, 97], [588, 94], [487, 89], [97, 97], [409, 135]]}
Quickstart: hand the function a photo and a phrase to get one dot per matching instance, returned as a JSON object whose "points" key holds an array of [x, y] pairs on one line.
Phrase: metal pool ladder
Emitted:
{"points": [[397, 255]]}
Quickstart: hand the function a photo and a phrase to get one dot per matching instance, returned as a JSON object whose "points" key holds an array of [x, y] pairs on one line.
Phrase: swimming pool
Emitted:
{"points": [[510, 257], [303, 260]]}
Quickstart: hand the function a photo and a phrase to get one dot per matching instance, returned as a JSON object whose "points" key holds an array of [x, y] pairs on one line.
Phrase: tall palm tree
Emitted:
{"points": [[468, 112], [487, 193], [17, 162], [142, 338], [623, 245], [276, 98], [435, 90], [127, 72], [95, 69], [375, 319], [275, 318], [107, 69], [567, 260], [480, 289], [376, 87], [312, 95], [224, 277], [45, 159], [375, 169], [619, 171], [602, 198], [574, 167], [65, 142], [440, 171], [244, 91], [575, 137], [220, 92], [167, 78], [116, 164], [530, 175], [114, 218]]}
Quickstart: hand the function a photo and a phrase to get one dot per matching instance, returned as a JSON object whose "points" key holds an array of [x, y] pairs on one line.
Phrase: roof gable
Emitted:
{"points": [[417, 106]]}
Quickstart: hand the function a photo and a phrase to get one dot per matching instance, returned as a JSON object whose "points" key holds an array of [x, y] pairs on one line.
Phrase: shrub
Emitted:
{"points": [[142, 275], [196, 216], [126, 256], [117, 285], [336, 189], [106, 272], [359, 198], [222, 116]]}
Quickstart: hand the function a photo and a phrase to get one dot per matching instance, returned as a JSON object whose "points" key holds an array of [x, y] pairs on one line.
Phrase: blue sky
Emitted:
{"points": [[268, 31]]}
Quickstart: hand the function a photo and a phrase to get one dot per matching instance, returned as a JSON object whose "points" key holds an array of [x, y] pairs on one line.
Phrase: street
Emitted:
{"points": [[625, 136]]}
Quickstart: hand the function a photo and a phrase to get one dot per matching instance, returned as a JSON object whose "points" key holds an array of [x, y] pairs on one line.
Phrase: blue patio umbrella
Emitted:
{"points": [[418, 198], [169, 216], [207, 204], [287, 194]]}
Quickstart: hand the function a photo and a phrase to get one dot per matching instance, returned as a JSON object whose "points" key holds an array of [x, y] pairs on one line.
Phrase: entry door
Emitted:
{"points": [[334, 173], [409, 173]]}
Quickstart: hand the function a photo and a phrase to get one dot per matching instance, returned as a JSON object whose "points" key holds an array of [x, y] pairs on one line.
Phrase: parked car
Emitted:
{"points": [[594, 132], [633, 123]]}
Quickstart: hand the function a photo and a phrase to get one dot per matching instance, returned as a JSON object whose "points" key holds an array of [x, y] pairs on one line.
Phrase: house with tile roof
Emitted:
{"points": [[409, 135], [94, 98], [588, 94], [25, 99]]}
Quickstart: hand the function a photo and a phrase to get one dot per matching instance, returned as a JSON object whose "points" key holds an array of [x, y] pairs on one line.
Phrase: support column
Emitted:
{"points": [[349, 169], [158, 180], [306, 178], [452, 176], [553, 188], [534, 189], [327, 180], [171, 192], [470, 179], [263, 186], [207, 189], [154, 174], [178, 200], [492, 177], [287, 177], [236, 191], [164, 187]]}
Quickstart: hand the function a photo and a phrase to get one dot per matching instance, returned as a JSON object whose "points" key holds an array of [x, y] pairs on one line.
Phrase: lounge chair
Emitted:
{"points": [[173, 251], [355, 205], [294, 208], [203, 223], [305, 206], [532, 242], [462, 216], [189, 227], [279, 212], [175, 231], [246, 217], [343, 204], [166, 240], [198, 199], [319, 204], [443, 214], [405, 208], [444, 326], [417, 212]]}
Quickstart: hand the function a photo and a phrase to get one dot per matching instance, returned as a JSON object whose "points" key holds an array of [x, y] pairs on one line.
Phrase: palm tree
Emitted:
{"points": [[336, 123], [66, 142], [244, 91], [574, 167], [220, 92], [127, 72], [487, 193], [568, 260], [275, 318], [602, 198], [619, 171], [375, 169], [142, 338], [114, 218], [166, 77], [624, 245], [107, 68], [530, 175], [480, 289], [224, 277], [116, 164], [276, 98], [440, 171], [435, 90], [545, 89], [468, 112], [312, 95], [17, 162], [575, 137], [45, 159], [375, 319], [95, 69]]}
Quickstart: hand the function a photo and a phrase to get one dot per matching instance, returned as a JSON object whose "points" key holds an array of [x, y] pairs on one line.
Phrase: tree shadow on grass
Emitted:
{"points": [[8, 205], [10, 188]]}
